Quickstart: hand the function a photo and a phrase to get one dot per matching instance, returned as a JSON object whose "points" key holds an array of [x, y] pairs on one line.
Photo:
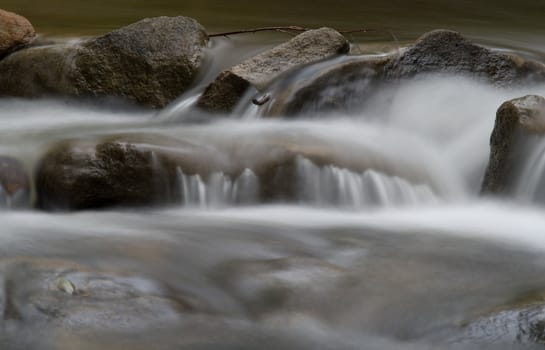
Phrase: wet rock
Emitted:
{"points": [[196, 169], [265, 286], [516, 121], [348, 83], [150, 63], [71, 296], [521, 321], [80, 175], [14, 184], [444, 51], [15, 32], [224, 93]]}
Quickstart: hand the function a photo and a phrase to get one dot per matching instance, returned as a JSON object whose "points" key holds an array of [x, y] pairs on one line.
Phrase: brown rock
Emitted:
{"points": [[516, 120], [259, 71], [15, 31], [150, 63]]}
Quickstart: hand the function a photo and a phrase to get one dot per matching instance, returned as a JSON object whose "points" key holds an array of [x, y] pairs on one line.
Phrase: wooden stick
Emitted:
{"points": [[262, 29]]}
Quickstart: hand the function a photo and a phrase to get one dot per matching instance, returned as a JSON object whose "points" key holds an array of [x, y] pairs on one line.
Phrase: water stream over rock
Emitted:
{"points": [[359, 227]]}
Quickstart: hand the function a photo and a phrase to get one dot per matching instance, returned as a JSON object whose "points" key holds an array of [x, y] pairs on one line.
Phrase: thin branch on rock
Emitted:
{"points": [[262, 29], [287, 29]]}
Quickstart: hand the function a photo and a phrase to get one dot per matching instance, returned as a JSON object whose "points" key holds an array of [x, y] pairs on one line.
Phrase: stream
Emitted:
{"points": [[403, 255]]}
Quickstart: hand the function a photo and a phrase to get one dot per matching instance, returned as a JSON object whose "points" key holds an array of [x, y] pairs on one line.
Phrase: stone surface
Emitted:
{"points": [[444, 51], [150, 63], [72, 296], [349, 83], [515, 121], [259, 71], [15, 32], [82, 175]]}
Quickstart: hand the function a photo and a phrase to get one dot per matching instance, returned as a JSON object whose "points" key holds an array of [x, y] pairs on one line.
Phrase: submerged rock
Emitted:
{"points": [[225, 92], [348, 83], [65, 295], [150, 62], [516, 120], [15, 32]]}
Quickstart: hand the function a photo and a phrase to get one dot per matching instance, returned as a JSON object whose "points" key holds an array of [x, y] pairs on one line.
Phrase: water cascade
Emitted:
{"points": [[219, 190], [379, 238], [337, 187]]}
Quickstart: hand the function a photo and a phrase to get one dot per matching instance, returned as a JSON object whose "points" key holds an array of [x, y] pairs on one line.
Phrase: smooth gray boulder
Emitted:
{"points": [[15, 32], [314, 45], [348, 83], [150, 63], [516, 121]]}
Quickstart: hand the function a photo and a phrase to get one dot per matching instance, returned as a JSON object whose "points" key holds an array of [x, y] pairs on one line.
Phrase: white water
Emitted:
{"points": [[387, 242]]}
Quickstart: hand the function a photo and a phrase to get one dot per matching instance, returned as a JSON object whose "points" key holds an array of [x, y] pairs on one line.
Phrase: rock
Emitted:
{"points": [[150, 63], [15, 184], [517, 322], [70, 296], [347, 84], [516, 120], [204, 166], [83, 175], [224, 93], [15, 32], [444, 51]]}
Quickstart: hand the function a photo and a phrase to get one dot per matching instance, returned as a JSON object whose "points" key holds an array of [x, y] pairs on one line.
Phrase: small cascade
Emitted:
{"points": [[529, 187], [334, 186], [218, 190]]}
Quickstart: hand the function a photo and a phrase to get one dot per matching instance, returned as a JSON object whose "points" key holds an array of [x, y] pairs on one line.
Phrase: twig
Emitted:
{"points": [[262, 29]]}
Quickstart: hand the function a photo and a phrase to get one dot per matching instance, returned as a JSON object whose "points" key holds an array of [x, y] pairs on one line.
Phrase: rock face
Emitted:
{"points": [[444, 51], [311, 46], [150, 63], [515, 121], [15, 32], [80, 175], [346, 83]]}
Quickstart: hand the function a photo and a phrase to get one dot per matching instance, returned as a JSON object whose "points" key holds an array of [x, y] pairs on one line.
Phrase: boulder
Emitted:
{"points": [[87, 175], [346, 84], [150, 63], [15, 32], [14, 184], [448, 52], [516, 120], [314, 45], [145, 169]]}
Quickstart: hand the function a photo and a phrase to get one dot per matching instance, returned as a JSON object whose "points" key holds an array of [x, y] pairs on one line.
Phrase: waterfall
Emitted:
{"points": [[218, 190], [334, 186]]}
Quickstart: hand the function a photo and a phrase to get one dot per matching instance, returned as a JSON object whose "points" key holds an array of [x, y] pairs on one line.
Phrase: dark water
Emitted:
{"points": [[515, 19]]}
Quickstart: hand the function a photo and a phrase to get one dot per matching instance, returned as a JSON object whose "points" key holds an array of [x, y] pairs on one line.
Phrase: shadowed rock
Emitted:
{"points": [[348, 83], [131, 170], [15, 32], [516, 120], [150, 62], [225, 92]]}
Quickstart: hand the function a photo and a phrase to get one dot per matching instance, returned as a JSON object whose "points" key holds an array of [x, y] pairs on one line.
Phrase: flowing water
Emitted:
{"points": [[388, 245]]}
